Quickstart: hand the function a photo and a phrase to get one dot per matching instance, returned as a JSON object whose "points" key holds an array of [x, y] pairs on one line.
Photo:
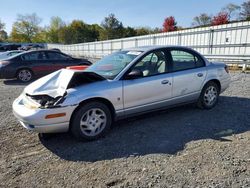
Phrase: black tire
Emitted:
{"points": [[24, 75], [45, 136], [83, 132], [203, 99]]}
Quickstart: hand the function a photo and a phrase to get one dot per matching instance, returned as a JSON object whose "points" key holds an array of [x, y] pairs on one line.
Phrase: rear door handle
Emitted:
{"points": [[200, 74], [164, 82]]}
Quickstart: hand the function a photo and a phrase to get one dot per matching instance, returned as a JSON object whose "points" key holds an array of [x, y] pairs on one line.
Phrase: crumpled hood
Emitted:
{"points": [[54, 84]]}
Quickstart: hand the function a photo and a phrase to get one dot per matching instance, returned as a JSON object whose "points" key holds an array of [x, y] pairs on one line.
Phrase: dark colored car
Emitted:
{"points": [[27, 65], [55, 49], [9, 47]]}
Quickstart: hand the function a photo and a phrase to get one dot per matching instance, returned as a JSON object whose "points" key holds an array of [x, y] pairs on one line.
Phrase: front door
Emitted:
{"points": [[151, 90], [58, 60]]}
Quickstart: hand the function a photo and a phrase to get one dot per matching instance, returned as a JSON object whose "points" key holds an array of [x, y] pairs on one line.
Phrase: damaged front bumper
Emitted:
{"points": [[34, 118], [46, 105]]}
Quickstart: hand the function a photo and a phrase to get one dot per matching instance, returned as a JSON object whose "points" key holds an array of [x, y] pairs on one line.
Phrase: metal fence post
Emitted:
{"points": [[88, 49], [244, 66], [136, 42], [102, 49], [111, 46], [154, 40], [121, 44], [210, 41], [95, 47], [179, 39]]}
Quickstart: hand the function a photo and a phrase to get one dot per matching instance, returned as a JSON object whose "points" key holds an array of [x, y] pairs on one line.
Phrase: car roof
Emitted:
{"points": [[15, 51], [155, 47], [42, 50], [26, 52]]}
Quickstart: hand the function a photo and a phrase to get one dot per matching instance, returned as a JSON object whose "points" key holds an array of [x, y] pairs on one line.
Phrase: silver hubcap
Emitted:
{"points": [[24, 75], [210, 95], [93, 122]]}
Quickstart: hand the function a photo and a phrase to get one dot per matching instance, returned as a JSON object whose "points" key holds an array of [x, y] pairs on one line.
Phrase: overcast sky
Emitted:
{"points": [[131, 12]]}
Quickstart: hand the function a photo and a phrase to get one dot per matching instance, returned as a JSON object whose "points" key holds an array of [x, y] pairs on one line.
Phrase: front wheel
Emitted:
{"points": [[209, 96], [91, 121]]}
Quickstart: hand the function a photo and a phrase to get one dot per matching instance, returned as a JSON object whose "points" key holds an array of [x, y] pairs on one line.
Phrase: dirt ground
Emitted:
{"points": [[179, 147]]}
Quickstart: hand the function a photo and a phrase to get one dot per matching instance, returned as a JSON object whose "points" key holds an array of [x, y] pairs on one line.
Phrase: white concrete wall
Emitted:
{"points": [[229, 39]]}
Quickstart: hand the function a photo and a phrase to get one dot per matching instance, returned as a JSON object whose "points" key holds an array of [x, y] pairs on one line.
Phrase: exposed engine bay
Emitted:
{"points": [[51, 90]]}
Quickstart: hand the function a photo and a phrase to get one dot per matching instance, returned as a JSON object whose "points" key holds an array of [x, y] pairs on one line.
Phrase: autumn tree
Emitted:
{"points": [[41, 36], [113, 28], [201, 20], [143, 31], [221, 18], [157, 30], [169, 24], [3, 34], [94, 32], [82, 32], [232, 11], [245, 13], [129, 32], [26, 28], [56, 24], [65, 35], [2, 25]]}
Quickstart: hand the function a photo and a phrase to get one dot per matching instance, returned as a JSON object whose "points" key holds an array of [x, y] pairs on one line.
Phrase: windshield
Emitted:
{"points": [[110, 66]]}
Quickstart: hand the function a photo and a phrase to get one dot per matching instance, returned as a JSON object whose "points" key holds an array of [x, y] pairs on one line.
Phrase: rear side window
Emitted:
{"points": [[34, 56], [183, 60], [57, 56]]}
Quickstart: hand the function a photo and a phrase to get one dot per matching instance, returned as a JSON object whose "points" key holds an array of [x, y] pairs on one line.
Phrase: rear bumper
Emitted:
{"points": [[34, 119], [225, 83]]}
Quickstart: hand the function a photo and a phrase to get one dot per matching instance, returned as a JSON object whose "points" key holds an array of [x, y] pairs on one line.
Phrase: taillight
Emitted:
{"points": [[226, 68]]}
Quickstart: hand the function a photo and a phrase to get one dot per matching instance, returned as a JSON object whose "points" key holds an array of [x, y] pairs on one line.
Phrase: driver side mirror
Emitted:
{"points": [[134, 74]]}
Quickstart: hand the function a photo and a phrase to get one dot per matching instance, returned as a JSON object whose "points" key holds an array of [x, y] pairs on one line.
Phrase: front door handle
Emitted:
{"points": [[200, 74], [164, 82]]}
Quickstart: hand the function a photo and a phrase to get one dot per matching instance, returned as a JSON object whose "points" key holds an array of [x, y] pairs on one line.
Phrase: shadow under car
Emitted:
{"points": [[164, 132]]}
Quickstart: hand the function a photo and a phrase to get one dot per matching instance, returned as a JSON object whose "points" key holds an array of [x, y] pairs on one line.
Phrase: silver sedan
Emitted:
{"points": [[125, 83]]}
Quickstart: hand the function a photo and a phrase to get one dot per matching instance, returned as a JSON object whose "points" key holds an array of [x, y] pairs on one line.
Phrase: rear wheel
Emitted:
{"points": [[25, 75], [209, 96], [91, 121]]}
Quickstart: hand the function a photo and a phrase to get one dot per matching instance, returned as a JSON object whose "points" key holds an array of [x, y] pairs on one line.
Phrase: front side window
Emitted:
{"points": [[152, 64], [183, 60], [110, 66]]}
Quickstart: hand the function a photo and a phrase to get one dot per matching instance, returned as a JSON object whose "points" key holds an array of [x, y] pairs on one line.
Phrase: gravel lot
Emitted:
{"points": [[180, 147]]}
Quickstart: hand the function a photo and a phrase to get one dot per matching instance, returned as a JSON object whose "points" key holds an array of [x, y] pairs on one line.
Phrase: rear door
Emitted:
{"points": [[37, 61], [59, 60], [153, 89], [189, 73]]}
